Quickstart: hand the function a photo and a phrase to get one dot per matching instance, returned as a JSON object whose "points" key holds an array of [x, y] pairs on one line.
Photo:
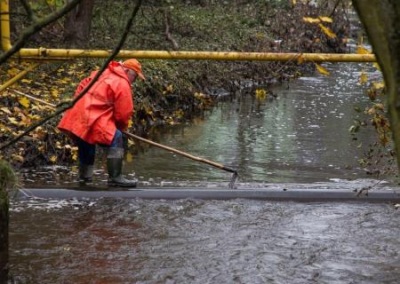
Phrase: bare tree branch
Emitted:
{"points": [[167, 33], [69, 105], [36, 27]]}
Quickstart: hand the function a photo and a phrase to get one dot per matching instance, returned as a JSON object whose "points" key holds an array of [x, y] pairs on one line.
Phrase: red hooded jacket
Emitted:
{"points": [[107, 106]]}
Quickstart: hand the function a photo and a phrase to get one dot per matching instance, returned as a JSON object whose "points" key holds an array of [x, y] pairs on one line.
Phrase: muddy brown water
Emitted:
{"points": [[298, 140]]}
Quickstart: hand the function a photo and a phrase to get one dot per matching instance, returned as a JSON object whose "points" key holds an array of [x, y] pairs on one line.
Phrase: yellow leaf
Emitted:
{"points": [[326, 19], [260, 35], [12, 71], [363, 78], [18, 158], [4, 128], [294, 2], [130, 123], [321, 69], [376, 65], [54, 93], [311, 20], [13, 120], [170, 88], [261, 94], [362, 50], [26, 81], [300, 59], [379, 106], [24, 102], [74, 151], [378, 85], [179, 113], [371, 111], [129, 157], [53, 159], [6, 110], [34, 116], [327, 31]]}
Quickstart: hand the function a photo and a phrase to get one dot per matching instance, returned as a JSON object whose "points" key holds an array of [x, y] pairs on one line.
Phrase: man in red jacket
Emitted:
{"points": [[100, 116]]}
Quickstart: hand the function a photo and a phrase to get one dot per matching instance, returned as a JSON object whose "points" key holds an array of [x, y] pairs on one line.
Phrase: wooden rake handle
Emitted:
{"points": [[202, 160]]}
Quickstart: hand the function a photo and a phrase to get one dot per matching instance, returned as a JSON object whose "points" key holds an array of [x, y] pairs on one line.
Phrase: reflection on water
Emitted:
{"points": [[192, 241], [302, 136]]}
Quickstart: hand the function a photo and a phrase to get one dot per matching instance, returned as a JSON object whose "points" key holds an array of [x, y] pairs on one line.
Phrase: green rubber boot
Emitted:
{"points": [[114, 166], [85, 174]]}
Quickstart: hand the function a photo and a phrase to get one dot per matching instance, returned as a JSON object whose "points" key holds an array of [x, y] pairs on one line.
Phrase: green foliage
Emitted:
{"points": [[42, 7]]}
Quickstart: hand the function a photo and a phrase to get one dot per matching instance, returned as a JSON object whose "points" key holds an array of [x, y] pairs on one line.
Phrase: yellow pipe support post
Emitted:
{"points": [[5, 25], [17, 77], [46, 54]]}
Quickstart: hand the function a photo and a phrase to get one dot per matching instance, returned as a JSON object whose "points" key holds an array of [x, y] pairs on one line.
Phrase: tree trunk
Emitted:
{"points": [[78, 23], [7, 181], [381, 19], [3, 235]]}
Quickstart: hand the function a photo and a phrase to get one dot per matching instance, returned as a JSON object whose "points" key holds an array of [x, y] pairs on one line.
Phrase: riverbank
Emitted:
{"points": [[175, 91]]}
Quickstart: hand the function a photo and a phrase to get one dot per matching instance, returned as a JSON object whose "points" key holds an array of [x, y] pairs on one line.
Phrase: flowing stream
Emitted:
{"points": [[298, 139], [302, 136]]}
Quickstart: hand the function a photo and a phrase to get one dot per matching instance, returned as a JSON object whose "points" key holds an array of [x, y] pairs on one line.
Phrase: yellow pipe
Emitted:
{"points": [[62, 54], [17, 77], [198, 55], [5, 25]]}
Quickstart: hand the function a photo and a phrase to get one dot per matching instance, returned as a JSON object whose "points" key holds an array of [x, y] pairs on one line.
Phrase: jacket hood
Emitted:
{"points": [[117, 68]]}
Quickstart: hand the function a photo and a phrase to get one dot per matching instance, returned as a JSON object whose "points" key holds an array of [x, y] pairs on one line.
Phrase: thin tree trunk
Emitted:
{"points": [[381, 19], [78, 24], [7, 181]]}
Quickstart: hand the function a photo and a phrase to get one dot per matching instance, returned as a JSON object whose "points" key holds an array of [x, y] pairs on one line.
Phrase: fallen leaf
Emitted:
{"points": [[24, 102], [363, 78], [17, 158], [321, 69], [261, 94], [6, 110], [378, 85], [362, 50], [300, 59], [326, 19], [311, 20], [129, 157], [327, 31], [13, 120]]}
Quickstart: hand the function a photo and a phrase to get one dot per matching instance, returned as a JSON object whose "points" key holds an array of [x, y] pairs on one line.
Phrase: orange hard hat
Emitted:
{"points": [[135, 66]]}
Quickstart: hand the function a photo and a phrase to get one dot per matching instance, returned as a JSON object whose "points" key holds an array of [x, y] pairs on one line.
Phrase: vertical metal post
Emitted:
{"points": [[5, 25]]}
